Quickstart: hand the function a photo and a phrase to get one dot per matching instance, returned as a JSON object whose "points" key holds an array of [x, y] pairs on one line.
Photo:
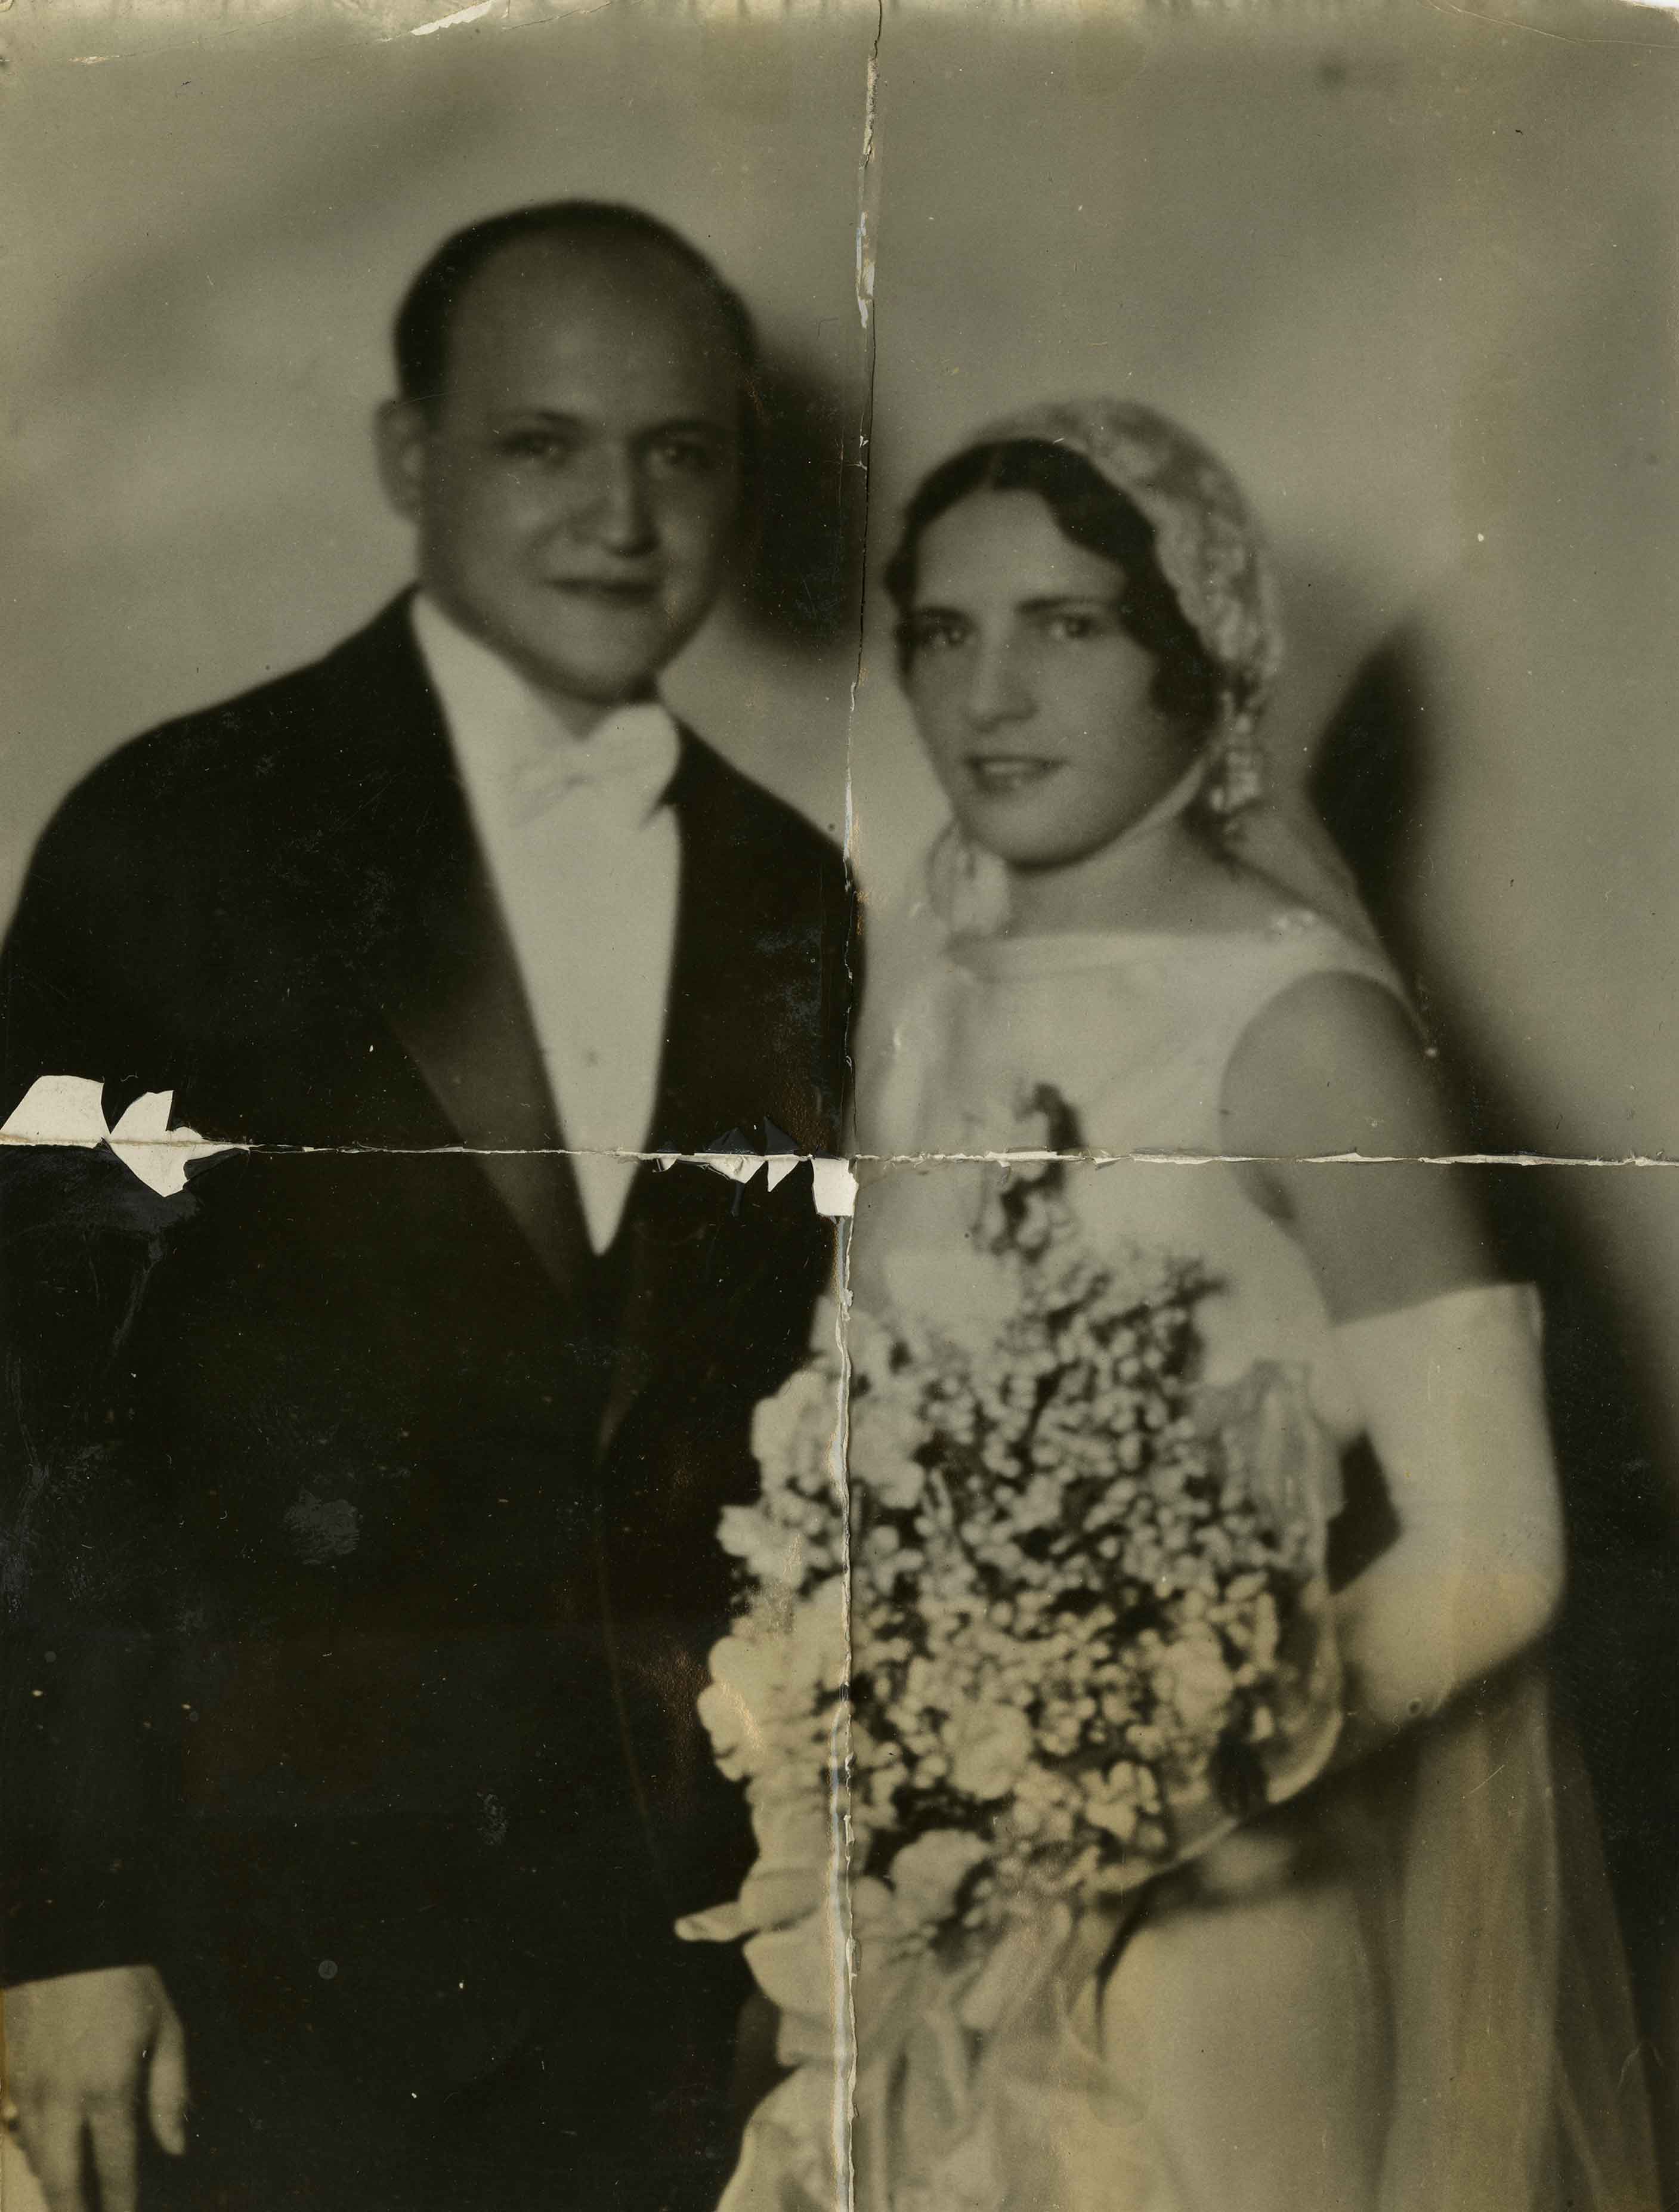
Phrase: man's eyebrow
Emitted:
{"points": [[560, 418], [710, 426]]}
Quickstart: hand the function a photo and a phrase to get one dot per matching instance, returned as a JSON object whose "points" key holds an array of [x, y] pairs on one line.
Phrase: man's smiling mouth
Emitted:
{"points": [[608, 591]]}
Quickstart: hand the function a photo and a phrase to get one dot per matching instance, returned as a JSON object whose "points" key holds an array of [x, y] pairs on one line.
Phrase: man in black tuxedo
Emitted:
{"points": [[361, 1566]]}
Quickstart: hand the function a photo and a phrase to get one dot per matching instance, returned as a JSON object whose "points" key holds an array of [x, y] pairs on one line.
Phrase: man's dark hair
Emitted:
{"points": [[1090, 512], [421, 335]]}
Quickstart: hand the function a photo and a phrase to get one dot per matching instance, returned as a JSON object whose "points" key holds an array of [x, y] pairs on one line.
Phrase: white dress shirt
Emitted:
{"points": [[585, 858]]}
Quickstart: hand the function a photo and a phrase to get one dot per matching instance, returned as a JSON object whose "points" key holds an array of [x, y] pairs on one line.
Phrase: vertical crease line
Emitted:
{"points": [[845, 2048], [868, 203], [840, 1769]]}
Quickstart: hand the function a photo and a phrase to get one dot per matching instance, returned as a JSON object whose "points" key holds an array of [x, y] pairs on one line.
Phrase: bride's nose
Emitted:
{"points": [[998, 690]]}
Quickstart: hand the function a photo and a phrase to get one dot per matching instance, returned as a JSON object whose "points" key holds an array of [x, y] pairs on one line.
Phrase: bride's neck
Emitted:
{"points": [[1136, 882]]}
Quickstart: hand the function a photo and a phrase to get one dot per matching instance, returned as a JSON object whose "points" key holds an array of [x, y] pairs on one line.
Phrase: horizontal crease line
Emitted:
{"points": [[79, 1141], [1093, 1158]]}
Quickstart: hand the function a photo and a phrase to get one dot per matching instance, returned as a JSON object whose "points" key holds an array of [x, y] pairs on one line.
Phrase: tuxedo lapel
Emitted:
{"points": [[433, 956], [460, 1015]]}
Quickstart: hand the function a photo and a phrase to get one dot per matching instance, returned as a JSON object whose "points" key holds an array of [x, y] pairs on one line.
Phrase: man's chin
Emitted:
{"points": [[592, 661], [597, 681]]}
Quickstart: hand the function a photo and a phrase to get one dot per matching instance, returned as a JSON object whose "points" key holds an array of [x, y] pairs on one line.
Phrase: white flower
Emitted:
{"points": [[794, 1432], [989, 1744], [881, 1552], [772, 1554], [793, 1832], [1038, 1504], [885, 1434], [819, 1640], [872, 1347], [744, 1699], [1116, 1815], [1116, 1800], [876, 1916], [896, 1482], [763, 1706], [1192, 1677], [925, 1686], [926, 1873]]}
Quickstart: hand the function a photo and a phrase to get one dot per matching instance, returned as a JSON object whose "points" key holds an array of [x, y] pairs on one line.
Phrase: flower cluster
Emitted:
{"points": [[1075, 1591]]}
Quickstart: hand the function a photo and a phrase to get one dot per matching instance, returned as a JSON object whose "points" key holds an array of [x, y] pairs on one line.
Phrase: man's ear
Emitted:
{"points": [[401, 432]]}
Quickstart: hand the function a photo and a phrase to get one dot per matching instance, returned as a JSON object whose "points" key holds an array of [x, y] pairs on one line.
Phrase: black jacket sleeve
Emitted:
{"points": [[83, 1551]]}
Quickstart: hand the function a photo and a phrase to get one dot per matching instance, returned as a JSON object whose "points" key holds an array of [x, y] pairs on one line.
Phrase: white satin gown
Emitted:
{"points": [[1404, 1991]]}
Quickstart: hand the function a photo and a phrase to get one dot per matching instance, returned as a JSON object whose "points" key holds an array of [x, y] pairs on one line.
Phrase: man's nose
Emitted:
{"points": [[998, 688], [617, 513]]}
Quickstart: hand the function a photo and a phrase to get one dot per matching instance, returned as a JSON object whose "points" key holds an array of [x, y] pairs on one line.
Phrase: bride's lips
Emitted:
{"points": [[1003, 776]]}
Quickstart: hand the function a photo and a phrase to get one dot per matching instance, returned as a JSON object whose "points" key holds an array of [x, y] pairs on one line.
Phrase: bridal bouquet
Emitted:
{"points": [[1040, 1612]]}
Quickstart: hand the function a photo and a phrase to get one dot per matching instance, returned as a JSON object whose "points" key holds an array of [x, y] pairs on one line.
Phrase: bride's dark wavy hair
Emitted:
{"points": [[1092, 513]]}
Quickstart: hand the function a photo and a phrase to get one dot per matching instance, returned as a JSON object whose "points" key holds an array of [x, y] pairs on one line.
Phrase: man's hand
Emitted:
{"points": [[80, 2051]]}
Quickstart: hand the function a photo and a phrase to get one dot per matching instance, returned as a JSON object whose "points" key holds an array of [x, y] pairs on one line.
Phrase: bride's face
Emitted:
{"points": [[1031, 697]]}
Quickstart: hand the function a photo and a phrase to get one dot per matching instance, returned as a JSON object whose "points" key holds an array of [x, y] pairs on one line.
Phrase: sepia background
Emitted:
{"points": [[210, 234], [1413, 271]]}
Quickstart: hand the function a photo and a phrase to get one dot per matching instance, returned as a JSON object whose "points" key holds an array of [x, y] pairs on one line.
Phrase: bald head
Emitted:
{"points": [[576, 475], [572, 299], [425, 320]]}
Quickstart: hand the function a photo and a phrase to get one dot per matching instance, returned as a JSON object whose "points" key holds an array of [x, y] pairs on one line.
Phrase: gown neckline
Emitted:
{"points": [[1043, 950]]}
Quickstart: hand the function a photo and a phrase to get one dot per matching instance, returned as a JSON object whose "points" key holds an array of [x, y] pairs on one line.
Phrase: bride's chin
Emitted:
{"points": [[1018, 848]]}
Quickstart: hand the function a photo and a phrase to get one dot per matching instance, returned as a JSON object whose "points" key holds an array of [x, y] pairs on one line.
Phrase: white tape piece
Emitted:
{"points": [[835, 1185], [835, 1189], [70, 1109], [58, 1109], [143, 1141], [738, 1167]]}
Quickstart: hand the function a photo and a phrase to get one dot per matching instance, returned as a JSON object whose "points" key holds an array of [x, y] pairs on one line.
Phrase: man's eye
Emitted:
{"points": [[695, 457], [545, 446]]}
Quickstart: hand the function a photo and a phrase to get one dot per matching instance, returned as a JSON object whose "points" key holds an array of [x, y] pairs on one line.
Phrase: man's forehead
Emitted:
{"points": [[560, 300]]}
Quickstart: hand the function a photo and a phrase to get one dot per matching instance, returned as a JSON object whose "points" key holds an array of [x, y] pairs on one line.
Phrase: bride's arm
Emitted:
{"points": [[1444, 1359]]}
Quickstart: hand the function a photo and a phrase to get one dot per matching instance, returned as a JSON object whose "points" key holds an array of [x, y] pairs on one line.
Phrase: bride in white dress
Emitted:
{"points": [[1403, 1990]]}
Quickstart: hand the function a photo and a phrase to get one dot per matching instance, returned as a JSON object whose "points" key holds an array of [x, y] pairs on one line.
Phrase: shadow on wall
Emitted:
{"points": [[1616, 1650], [802, 586]]}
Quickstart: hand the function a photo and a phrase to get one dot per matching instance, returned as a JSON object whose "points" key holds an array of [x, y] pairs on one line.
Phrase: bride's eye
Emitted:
{"points": [[931, 632], [1069, 625]]}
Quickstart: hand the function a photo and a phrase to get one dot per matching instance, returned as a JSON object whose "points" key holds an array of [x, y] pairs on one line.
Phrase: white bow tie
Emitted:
{"points": [[622, 766]]}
